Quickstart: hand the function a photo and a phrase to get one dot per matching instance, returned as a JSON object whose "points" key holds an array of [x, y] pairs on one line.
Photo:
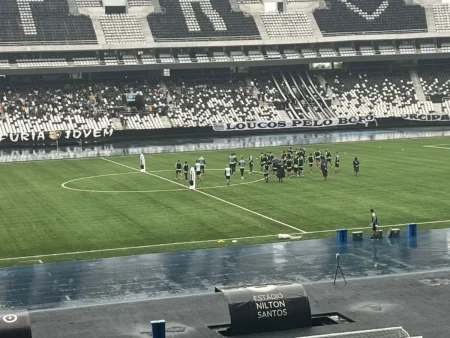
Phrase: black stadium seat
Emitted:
{"points": [[199, 19], [353, 16], [46, 20]]}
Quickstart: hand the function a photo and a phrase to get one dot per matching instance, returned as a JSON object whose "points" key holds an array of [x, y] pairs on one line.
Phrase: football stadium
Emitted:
{"points": [[224, 168]]}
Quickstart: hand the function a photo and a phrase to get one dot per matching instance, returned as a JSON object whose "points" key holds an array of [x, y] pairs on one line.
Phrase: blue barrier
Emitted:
{"points": [[411, 229], [341, 235]]}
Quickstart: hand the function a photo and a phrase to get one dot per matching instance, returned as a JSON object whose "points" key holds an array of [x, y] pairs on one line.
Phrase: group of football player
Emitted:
{"points": [[292, 163]]}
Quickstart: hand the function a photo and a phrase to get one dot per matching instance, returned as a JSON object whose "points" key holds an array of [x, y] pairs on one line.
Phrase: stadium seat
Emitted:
{"points": [[359, 16], [376, 94], [187, 19], [286, 25], [43, 21]]}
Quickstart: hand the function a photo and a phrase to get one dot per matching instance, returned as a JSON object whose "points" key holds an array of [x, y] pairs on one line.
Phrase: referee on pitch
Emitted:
{"points": [[374, 224]]}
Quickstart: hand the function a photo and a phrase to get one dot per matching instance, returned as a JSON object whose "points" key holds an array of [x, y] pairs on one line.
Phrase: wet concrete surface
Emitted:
{"points": [[135, 278]]}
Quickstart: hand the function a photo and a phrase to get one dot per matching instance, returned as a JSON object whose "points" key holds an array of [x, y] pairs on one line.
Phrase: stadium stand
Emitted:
{"points": [[139, 3], [347, 51], [366, 50], [122, 28], [220, 57], [287, 94], [41, 63], [286, 25], [386, 49], [344, 17], [4, 63], [86, 61], [291, 54], [377, 94], [273, 54], [436, 84], [441, 13], [255, 55], [407, 49], [445, 47], [223, 101], [148, 59], [42, 21], [89, 3], [202, 57], [187, 19], [427, 48], [309, 53], [25, 123]]}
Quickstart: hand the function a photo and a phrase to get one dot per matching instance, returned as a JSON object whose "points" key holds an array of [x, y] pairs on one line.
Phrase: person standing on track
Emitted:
{"points": [[374, 224]]}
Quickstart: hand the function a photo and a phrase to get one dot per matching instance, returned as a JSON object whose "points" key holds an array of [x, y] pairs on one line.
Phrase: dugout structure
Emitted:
{"points": [[15, 325], [267, 308]]}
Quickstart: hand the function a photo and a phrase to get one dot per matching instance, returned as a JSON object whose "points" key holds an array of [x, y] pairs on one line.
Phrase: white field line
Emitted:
{"points": [[209, 195], [30, 258], [438, 146], [64, 185]]}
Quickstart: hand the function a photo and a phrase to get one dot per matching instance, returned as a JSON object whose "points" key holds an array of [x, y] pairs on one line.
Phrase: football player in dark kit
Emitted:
{"points": [[324, 169], [296, 165], [356, 166], [289, 167], [301, 163], [178, 167], [266, 170], [262, 160], [336, 163], [310, 162], [328, 156], [186, 170], [317, 155], [250, 163]]}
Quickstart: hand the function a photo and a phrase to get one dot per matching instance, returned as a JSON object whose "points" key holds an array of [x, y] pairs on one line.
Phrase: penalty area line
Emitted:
{"points": [[211, 196]]}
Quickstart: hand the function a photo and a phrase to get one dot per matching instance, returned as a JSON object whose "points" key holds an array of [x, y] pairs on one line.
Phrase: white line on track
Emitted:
{"points": [[30, 258], [209, 195], [128, 248]]}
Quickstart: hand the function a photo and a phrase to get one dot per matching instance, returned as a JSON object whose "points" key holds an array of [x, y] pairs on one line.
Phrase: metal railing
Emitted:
{"points": [[209, 38], [400, 31], [51, 43]]}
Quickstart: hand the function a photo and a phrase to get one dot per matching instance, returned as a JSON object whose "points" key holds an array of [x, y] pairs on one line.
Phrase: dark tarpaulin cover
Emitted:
{"points": [[267, 308]]}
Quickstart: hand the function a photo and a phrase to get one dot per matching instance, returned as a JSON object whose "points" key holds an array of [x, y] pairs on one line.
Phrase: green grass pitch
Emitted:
{"points": [[108, 208]]}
